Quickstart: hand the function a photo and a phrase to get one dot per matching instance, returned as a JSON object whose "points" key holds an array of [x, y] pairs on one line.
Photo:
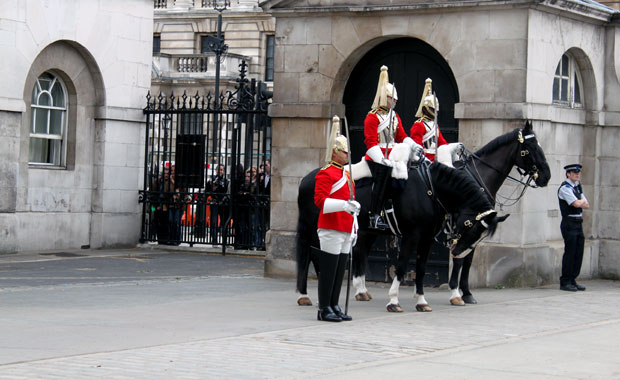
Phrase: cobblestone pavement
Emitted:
{"points": [[540, 333]]}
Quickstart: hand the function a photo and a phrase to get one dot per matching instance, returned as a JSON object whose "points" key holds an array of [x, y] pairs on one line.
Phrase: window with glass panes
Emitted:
{"points": [[49, 121], [567, 82], [269, 54]]}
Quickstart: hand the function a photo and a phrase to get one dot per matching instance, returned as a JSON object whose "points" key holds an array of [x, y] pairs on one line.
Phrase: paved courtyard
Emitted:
{"points": [[147, 314]]}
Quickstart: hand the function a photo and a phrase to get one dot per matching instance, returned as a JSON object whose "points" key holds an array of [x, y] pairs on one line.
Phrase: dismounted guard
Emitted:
{"points": [[336, 229], [382, 129], [572, 202]]}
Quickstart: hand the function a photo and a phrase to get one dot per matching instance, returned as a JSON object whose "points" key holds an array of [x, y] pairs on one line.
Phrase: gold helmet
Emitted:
{"points": [[429, 100], [384, 89], [336, 142]]}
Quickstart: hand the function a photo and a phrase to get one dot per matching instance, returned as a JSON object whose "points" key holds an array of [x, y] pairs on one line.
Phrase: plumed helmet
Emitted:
{"points": [[336, 140], [429, 101], [384, 89]]}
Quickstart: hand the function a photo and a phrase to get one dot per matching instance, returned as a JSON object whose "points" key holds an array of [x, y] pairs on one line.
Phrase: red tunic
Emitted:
{"points": [[418, 130], [331, 182], [372, 138]]}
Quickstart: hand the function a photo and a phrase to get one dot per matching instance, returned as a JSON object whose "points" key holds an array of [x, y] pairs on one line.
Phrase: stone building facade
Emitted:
{"points": [[555, 62], [74, 79], [182, 60]]}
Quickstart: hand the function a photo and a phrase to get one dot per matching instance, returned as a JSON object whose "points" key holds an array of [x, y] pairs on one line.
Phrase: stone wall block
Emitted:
{"points": [[288, 89], [395, 25], [609, 259], [608, 225], [314, 87], [319, 31], [500, 54], [8, 233], [330, 60], [516, 81], [504, 264], [476, 26], [301, 58], [291, 31], [342, 39], [306, 159], [280, 259], [508, 24], [284, 216]]}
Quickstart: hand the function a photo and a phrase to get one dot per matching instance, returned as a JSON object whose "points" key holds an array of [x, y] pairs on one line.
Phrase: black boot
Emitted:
{"points": [[342, 265], [381, 176], [328, 265]]}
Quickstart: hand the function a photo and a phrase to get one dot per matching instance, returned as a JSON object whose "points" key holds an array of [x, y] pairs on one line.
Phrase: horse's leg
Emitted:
{"points": [[464, 283], [406, 249], [455, 296], [420, 270], [360, 260]]}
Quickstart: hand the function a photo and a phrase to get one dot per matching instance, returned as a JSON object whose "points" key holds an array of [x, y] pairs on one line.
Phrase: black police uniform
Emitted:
{"points": [[572, 232]]}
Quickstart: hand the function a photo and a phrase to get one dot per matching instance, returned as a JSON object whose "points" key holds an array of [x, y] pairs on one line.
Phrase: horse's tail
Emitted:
{"points": [[306, 230], [303, 242]]}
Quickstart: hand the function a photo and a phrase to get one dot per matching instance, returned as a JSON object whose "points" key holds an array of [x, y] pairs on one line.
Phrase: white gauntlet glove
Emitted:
{"points": [[336, 205], [378, 157], [417, 151], [352, 207]]}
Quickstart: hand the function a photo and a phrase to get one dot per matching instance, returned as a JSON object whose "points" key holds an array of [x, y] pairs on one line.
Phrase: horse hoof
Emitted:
{"points": [[363, 297], [469, 299], [394, 308], [457, 301], [423, 307], [304, 301]]}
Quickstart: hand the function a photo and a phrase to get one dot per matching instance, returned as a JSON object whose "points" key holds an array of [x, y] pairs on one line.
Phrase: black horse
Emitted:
{"points": [[490, 166], [420, 210]]}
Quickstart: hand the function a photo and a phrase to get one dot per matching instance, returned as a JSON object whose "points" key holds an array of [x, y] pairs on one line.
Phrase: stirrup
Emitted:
{"points": [[376, 222]]}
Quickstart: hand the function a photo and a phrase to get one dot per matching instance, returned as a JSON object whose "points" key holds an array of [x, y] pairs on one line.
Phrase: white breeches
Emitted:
{"points": [[334, 242]]}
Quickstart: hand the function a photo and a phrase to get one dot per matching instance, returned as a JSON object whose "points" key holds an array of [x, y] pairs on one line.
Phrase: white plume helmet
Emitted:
{"points": [[384, 89], [336, 140], [429, 100]]}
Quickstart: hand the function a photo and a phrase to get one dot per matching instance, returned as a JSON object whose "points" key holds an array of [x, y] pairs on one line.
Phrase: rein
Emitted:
{"points": [[472, 157]]}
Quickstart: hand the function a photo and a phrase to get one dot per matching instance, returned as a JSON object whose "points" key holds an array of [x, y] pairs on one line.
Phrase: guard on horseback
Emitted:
{"points": [[382, 130], [425, 131], [334, 195]]}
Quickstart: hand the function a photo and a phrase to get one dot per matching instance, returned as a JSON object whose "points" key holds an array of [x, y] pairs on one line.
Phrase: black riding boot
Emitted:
{"points": [[328, 264], [381, 175], [342, 265]]}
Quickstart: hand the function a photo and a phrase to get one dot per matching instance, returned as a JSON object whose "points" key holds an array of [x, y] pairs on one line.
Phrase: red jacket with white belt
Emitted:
{"points": [[371, 136], [332, 182]]}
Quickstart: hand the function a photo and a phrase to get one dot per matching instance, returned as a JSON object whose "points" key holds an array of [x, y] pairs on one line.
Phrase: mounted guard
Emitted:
{"points": [[425, 131], [383, 129]]}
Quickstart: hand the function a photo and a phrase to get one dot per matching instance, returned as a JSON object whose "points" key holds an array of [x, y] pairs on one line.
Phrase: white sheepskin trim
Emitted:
{"points": [[400, 156], [360, 170], [447, 154]]}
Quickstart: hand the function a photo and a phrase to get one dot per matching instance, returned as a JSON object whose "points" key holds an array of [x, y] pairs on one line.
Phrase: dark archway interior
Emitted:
{"points": [[410, 62]]}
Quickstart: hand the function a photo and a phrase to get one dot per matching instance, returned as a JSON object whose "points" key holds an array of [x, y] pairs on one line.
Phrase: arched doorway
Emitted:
{"points": [[410, 62]]}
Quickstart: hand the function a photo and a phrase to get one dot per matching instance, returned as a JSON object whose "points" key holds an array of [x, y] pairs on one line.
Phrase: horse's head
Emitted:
{"points": [[531, 159], [470, 228]]}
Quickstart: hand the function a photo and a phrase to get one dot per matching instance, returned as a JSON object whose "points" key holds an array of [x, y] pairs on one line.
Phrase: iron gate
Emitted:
{"points": [[207, 168]]}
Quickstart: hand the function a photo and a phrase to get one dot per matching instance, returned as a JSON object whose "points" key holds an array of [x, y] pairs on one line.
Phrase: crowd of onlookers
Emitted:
{"points": [[207, 210]]}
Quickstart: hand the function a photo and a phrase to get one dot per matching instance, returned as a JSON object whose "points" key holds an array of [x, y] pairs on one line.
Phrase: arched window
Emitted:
{"points": [[48, 130], [567, 83]]}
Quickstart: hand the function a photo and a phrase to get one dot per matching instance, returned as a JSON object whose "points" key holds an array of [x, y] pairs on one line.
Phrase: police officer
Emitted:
{"points": [[572, 202], [336, 229]]}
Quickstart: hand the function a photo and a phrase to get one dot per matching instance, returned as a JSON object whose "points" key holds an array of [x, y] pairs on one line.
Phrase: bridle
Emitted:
{"points": [[524, 155], [526, 161]]}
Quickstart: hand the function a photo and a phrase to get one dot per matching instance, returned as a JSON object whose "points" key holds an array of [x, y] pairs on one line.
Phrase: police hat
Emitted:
{"points": [[573, 168]]}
